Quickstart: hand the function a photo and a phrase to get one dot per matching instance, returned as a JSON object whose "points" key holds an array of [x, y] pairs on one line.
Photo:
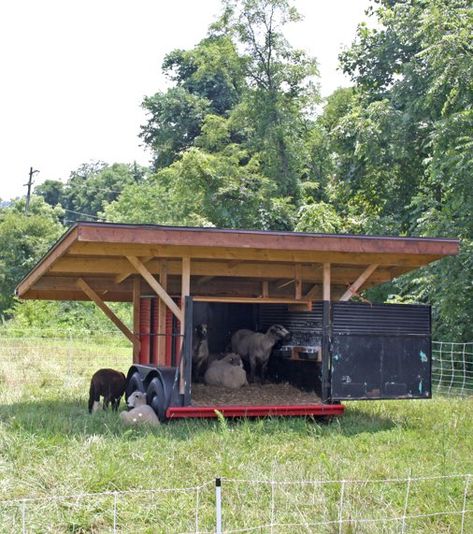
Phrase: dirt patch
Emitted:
{"points": [[254, 394]]}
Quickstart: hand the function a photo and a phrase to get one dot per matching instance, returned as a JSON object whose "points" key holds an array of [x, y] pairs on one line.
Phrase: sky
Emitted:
{"points": [[74, 74]]}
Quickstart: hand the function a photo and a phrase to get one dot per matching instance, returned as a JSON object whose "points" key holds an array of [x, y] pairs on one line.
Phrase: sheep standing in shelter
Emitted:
{"points": [[140, 412], [256, 347], [109, 384], [227, 372], [200, 351]]}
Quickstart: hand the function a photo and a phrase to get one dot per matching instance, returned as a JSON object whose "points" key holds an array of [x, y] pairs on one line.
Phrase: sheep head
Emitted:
{"points": [[233, 359], [278, 331], [137, 398], [201, 331]]}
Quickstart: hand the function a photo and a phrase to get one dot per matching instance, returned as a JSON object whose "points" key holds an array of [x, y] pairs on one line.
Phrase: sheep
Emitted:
{"points": [[140, 412], [107, 383], [200, 351], [256, 347], [227, 372]]}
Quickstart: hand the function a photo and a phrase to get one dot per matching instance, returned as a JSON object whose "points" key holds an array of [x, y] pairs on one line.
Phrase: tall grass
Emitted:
{"points": [[50, 446]]}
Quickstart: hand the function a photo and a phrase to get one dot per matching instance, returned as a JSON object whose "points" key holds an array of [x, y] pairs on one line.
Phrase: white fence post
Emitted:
{"points": [[218, 506], [465, 495], [114, 512], [23, 517], [340, 508], [406, 502]]}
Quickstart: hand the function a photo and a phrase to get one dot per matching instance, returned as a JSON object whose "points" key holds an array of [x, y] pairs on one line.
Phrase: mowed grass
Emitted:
{"points": [[51, 447]]}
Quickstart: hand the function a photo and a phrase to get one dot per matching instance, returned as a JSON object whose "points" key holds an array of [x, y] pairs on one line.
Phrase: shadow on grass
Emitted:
{"points": [[70, 418]]}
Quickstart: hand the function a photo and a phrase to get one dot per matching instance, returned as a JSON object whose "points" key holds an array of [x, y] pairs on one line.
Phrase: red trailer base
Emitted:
{"points": [[255, 411]]}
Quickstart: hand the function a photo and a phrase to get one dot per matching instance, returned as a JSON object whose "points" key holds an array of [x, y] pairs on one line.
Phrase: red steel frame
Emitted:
{"points": [[255, 411]]}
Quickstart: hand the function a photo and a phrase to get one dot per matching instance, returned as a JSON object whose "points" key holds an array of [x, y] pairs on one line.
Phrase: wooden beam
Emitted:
{"points": [[82, 284], [298, 280], [285, 284], [46, 262], [155, 286], [358, 282], [326, 282], [123, 276], [212, 237], [136, 317], [250, 300], [242, 254]]}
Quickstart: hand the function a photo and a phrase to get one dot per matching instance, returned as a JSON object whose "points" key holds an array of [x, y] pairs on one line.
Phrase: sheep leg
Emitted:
{"points": [[252, 368], [93, 397], [116, 404], [264, 367]]}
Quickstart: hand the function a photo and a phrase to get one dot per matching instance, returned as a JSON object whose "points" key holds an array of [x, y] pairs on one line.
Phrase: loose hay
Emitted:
{"points": [[254, 394]]}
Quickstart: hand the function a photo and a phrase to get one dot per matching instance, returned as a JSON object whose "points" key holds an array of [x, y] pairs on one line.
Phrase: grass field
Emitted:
{"points": [[51, 447]]}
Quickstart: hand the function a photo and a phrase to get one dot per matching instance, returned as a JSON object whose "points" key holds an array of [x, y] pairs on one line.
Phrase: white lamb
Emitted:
{"points": [[227, 372], [140, 412]]}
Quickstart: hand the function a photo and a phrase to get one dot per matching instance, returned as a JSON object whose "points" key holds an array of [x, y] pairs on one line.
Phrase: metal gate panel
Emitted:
{"points": [[381, 351]]}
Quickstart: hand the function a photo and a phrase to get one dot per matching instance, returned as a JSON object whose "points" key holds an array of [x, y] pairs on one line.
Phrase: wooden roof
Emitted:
{"points": [[224, 263]]}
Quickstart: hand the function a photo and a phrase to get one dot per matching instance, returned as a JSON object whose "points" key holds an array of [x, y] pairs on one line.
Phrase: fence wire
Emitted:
{"points": [[64, 359], [452, 368], [410, 504]]}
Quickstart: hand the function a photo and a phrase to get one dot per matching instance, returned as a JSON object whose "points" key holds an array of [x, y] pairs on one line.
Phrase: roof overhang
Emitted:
{"points": [[228, 263]]}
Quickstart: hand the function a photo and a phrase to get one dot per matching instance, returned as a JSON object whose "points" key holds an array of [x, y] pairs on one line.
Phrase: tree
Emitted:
{"points": [[24, 239], [282, 92]]}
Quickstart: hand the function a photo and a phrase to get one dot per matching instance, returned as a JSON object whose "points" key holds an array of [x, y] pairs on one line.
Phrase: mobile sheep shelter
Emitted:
{"points": [[178, 277]]}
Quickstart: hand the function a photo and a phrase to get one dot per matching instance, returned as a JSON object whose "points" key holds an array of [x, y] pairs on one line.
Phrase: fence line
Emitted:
{"points": [[452, 362], [293, 510]]}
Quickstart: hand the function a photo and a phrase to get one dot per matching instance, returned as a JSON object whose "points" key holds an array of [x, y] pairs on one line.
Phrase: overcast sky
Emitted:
{"points": [[74, 74]]}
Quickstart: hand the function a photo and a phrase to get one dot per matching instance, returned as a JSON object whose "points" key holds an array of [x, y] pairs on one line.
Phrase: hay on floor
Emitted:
{"points": [[254, 394]]}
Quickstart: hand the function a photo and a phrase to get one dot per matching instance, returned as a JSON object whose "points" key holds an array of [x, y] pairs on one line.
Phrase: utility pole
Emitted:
{"points": [[29, 184]]}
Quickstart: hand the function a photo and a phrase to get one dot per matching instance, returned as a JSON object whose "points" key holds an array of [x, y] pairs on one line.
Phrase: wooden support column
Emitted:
{"points": [[359, 282], [298, 284], [326, 288], [326, 334], [136, 317], [185, 292], [82, 284], [156, 286], [163, 280], [265, 288]]}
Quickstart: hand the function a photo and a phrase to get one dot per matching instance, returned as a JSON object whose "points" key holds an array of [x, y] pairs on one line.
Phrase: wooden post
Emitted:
{"points": [[185, 292], [298, 284], [326, 334], [163, 280], [265, 288], [326, 289], [136, 317]]}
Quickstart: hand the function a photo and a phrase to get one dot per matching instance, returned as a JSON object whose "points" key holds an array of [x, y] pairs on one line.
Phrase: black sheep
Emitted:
{"points": [[109, 384]]}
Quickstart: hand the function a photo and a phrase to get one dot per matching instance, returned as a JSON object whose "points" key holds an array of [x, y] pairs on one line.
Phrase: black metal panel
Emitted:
{"points": [[381, 319], [381, 351]]}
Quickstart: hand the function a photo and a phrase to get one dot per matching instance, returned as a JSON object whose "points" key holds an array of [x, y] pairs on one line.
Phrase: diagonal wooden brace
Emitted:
{"points": [[352, 290], [84, 286], [156, 286]]}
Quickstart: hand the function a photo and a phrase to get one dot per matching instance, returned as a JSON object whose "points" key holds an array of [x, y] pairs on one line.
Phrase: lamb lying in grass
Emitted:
{"points": [[140, 413], [227, 372]]}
